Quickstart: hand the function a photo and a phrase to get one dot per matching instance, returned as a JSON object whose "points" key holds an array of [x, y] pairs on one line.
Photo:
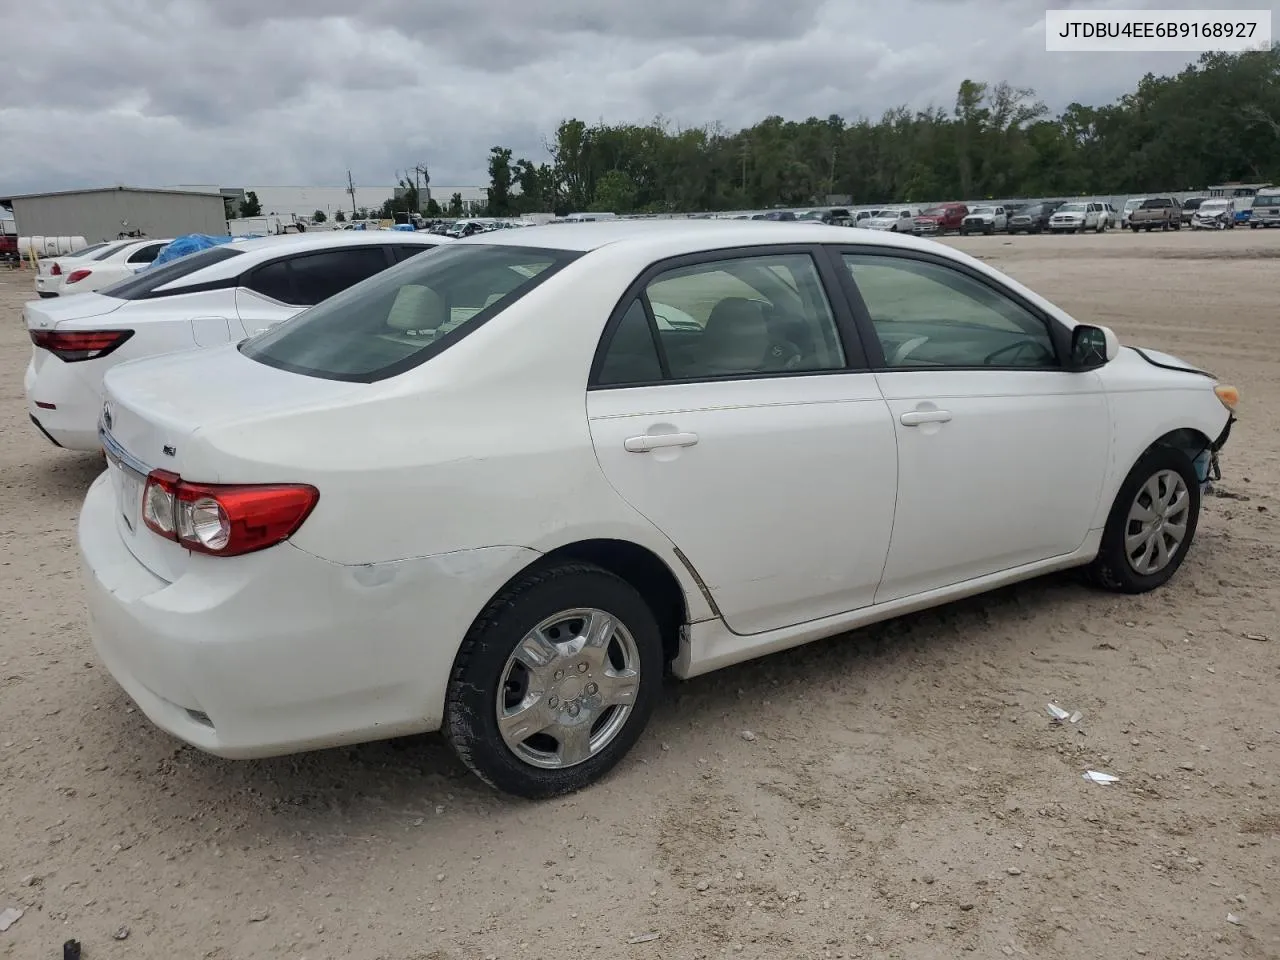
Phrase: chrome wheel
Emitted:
{"points": [[568, 688], [1157, 522]]}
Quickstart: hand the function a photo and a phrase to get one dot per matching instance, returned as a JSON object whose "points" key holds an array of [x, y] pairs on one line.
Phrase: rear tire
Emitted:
{"points": [[577, 694], [1158, 499]]}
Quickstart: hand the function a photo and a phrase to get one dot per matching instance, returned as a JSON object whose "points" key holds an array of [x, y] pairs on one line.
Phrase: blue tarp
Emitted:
{"points": [[404, 227], [191, 243]]}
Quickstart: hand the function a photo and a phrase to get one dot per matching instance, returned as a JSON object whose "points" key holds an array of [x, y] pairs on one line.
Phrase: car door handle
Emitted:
{"points": [[652, 441], [913, 418]]}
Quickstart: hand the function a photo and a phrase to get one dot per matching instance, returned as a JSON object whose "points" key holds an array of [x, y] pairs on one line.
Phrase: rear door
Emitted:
{"points": [[281, 288], [730, 406]]}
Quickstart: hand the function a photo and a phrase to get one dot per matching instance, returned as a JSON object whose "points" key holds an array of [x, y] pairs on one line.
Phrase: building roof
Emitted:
{"points": [[71, 193]]}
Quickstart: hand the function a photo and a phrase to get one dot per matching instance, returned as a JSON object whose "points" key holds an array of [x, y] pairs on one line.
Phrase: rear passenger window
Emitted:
{"points": [[403, 251], [274, 281], [146, 254], [728, 318], [631, 356], [312, 278], [318, 276]]}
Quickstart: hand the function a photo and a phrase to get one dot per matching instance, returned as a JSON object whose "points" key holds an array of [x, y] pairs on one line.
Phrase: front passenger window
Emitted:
{"points": [[927, 315]]}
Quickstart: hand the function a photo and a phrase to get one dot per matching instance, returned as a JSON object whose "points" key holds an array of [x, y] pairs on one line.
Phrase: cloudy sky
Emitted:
{"points": [[262, 92]]}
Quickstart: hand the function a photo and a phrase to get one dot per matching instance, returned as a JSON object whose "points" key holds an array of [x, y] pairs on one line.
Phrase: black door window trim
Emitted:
{"points": [[1059, 335], [847, 332]]}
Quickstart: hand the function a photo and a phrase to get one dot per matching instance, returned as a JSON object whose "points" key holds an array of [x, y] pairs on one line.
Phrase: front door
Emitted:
{"points": [[729, 410], [1001, 452]]}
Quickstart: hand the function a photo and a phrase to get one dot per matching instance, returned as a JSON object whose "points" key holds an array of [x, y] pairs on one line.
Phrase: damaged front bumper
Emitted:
{"points": [[1207, 468]]}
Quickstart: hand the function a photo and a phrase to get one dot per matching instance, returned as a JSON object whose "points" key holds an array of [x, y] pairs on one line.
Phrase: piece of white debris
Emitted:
{"points": [[1075, 717], [9, 916], [122, 933], [645, 938], [748, 735], [1097, 777], [1232, 918], [1056, 711], [1260, 637]]}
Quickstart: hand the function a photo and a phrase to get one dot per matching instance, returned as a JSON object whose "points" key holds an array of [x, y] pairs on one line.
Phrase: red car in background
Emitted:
{"points": [[8, 240], [937, 221]]}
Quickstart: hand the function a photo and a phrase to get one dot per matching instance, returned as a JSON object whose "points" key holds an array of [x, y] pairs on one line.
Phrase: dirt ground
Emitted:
{"points": [[905, 794]]}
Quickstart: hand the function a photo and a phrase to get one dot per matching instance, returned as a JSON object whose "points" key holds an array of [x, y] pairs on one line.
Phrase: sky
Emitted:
{"points": [[244, 92]]}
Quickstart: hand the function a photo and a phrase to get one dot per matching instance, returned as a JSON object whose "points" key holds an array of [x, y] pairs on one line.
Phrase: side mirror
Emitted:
{"points": [[1093, 347]]}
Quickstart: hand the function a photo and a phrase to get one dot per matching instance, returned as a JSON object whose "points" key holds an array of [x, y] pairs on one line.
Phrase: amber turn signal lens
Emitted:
{"points": [[1229, 396]]}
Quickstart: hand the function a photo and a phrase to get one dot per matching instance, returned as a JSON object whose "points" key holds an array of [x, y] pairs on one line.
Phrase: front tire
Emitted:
{"points": [[555, 681], [1151, 525]]}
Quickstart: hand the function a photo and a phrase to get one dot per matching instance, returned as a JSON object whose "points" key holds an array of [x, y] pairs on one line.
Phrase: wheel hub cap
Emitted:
{"points": [[568, 688], [1157, 522]]}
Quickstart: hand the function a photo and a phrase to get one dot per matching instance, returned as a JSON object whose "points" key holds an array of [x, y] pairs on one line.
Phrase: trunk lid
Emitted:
{"points": [[47, 314], [155, 409]]}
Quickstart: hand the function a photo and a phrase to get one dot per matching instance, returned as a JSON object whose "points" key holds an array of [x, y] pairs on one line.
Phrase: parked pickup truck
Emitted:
{"points": [[984, 220], [1164, 213], [8, 240], [1266, 209], [940, 220]]}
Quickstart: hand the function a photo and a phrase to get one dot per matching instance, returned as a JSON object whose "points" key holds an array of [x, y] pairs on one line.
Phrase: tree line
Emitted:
{"points": [[1218, 120]]}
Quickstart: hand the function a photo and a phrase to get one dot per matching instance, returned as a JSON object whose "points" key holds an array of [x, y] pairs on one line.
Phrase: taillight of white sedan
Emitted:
{"points": [[499, 490]]}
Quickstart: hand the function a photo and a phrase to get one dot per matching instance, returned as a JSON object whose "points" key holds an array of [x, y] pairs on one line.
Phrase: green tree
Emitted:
{"points": [[455, 205], [319, 216], [250, 206], [433, 208], [500, 180], [615, 193], [340, 217]]}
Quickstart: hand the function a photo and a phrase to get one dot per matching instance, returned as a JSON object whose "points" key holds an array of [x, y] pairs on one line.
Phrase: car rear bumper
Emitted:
{"points": [[47, 286], [62, 404], [279, 651]]}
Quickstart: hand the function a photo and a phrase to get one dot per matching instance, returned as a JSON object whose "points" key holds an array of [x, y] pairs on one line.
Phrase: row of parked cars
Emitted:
{"points": [[1138, 214]]}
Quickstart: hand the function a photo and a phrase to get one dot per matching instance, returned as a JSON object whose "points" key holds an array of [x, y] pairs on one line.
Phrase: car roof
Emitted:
{"points": [[322, 240], [677, 237], [256, 250]]}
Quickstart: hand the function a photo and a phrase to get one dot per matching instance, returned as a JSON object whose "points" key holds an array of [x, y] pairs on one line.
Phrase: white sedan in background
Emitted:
{"points": [[215, 296], [110, 266], [52, 271], [488, 492]]}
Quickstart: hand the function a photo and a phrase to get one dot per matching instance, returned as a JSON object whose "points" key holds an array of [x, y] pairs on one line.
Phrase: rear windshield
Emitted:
{"points": [[403, 316], [1267, 200], [146, 285]]}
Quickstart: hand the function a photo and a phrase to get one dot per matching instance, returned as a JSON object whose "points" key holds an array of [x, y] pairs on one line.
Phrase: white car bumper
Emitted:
{"points": [[280, 651], [63, 403], [48, 286]]}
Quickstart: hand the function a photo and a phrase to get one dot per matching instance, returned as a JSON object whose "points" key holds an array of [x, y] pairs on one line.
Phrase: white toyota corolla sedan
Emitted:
{"points": [[214, 296], [500, 489]]}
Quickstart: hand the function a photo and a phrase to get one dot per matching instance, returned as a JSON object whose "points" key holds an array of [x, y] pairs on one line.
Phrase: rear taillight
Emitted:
{"points": [[56, 269], [74, 345], [225, 520], [75, 276]]}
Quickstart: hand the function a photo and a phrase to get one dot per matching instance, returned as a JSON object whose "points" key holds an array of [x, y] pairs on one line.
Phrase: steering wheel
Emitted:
{"points": [[1033, 345], [782, 355]]}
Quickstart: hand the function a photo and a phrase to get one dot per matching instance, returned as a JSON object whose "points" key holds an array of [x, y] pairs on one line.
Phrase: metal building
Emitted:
{"points": [[108, 212]]}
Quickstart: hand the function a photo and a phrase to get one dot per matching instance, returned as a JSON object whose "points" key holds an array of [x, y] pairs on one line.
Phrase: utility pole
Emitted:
{"points": [[351, 189]]}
